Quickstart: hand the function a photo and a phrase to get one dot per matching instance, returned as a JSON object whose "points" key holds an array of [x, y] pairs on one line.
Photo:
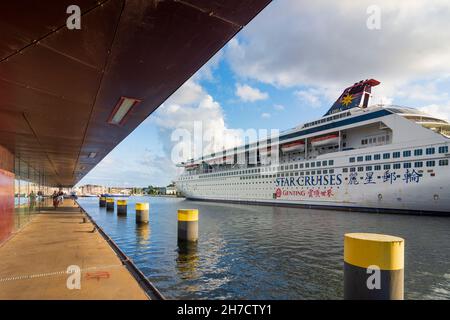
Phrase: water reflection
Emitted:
{"points": [[264, 252], [187, 260], [143, 233]]}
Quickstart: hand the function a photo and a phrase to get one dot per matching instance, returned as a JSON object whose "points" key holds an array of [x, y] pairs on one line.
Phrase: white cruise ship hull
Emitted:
{"points": [[393, 159]]}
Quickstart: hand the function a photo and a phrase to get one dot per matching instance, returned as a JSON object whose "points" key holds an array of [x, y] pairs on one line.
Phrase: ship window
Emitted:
{"points": [[407, 153], [430, 151], [443, 162], [386, 166], [306, 165], [352, 169], [364, 141], [319, 172], [313, 164], [318, 164], [418, 152], [291, 166], [443, 149], [431, 163], [296, 173], [418, 164], [313, 172], [407, 165], [307, 173], [376, 157], [330, 162], [368, 158], [331, 171], [302, 173], [301, 165], [296, 166], [325, 171], [352, 159], [324, 163], [369, 168], [360, 169], [359, 159], [377, 167], [344, 169], [386, 155], [396, 154], [397, 165]]}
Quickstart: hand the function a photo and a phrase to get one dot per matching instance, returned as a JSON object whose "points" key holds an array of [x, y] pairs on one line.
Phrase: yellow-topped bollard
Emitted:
{"points": [[373, 266], [187, 225], [122, 207], [109, 204], [142, 212], [102, 202]]}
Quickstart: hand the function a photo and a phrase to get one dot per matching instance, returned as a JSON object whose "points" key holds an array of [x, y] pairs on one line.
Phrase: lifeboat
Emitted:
{"points": [[220, 160], [214, 161], [331, 139], [191, 166], [293, 146]]}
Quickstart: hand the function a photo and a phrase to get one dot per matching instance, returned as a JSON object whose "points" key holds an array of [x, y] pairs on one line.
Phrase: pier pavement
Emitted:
{"points": [[34, 262]]}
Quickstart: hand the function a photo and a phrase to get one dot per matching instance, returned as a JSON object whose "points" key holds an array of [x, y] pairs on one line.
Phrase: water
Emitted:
{"points": [[268, 252]]}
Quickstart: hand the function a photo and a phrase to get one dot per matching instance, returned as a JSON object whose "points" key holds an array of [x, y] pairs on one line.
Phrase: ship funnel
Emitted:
{"points": [[357, 95]]}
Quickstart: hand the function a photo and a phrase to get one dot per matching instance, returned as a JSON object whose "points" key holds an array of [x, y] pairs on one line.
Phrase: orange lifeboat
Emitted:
{"points": [[330, 139], [191, 166], [298, 145]]}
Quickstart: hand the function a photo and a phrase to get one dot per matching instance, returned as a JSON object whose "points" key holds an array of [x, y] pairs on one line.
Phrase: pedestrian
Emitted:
{"points": [[55, 199]]}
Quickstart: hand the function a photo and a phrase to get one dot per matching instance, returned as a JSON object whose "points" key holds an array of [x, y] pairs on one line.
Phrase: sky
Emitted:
{"points": [[286, 67]]}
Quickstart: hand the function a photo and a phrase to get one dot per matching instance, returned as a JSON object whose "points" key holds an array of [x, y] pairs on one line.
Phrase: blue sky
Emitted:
{"points": [[288, 66]]}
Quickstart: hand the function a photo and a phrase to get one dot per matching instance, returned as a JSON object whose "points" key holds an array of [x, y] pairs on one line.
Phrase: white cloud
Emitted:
{"points": [[247, 93], [439, 111], [310, 97], [278, 107], [327, 45], [202, 115], [265, 115]]}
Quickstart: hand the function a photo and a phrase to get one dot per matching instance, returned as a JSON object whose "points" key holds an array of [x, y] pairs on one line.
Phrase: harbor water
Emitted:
{"points": [[269, 252]]}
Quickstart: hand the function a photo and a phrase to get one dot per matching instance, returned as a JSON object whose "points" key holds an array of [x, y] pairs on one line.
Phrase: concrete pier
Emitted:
{"points": [[34, 261]]}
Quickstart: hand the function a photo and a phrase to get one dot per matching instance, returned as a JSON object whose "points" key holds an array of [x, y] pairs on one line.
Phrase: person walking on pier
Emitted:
{"points": [[55, 197]]}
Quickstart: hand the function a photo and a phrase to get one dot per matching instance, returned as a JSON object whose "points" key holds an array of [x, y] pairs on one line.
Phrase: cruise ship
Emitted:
{"points": [[358, 156]]}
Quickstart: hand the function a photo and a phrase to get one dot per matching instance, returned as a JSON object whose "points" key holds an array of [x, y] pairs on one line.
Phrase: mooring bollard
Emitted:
{"points": [[102, 202], [187, 225], [373, 267], [122, 207], [109, 204], [142, 215]]}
